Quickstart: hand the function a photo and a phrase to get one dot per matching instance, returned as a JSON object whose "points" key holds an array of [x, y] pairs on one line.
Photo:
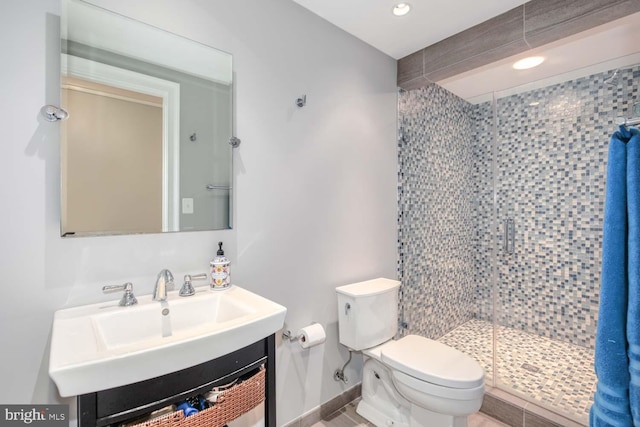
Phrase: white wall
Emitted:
{"points": [[315, 188]]}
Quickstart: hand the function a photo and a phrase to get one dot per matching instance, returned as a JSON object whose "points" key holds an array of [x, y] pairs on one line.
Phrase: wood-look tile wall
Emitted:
{"points": [[533, 24]]}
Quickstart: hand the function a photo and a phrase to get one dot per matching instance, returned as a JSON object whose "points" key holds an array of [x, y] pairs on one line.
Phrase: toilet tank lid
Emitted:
{"points": [[369, 287], [433, 362]]}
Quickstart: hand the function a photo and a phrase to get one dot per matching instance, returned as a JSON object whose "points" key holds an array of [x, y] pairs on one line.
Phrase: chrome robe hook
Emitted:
{"points": [[52, 113]]}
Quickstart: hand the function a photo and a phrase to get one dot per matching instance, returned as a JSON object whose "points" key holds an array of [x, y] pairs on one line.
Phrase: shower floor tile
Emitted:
{"points": [[552, 374]]}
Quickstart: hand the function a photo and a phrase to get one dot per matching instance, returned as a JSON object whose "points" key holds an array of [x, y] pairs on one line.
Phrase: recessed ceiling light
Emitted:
{"points": [[401, 9], [529, 62]]}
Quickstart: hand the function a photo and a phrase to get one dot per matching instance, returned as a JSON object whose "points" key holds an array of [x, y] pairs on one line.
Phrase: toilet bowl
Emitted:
{"points": [[410, 382]]}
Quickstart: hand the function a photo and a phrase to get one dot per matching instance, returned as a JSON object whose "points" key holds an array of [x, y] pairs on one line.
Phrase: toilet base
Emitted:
{"points": [[383, 406], [419, 418], [381, 403], [379, 418]]}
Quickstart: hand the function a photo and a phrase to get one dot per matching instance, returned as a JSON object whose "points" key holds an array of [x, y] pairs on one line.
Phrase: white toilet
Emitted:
{"points": [[411, 382]]}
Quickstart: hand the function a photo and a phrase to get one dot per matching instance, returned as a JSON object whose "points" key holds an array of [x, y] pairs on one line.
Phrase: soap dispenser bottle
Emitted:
{"points": [[220, 274]]}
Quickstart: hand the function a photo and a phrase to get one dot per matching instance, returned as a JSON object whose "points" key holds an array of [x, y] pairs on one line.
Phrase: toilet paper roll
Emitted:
{"points": [[311, 335]]}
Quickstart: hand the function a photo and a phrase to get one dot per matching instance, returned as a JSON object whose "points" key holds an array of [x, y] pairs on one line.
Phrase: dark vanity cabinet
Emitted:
{"points": [[114, 406]]}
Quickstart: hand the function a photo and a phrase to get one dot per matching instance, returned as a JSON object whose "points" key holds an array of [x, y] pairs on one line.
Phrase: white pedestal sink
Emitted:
{"points": [[101, 346]]}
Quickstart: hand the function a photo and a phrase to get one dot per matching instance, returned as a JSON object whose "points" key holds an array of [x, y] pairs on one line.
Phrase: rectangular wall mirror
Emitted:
{"points": [[146, 146]]}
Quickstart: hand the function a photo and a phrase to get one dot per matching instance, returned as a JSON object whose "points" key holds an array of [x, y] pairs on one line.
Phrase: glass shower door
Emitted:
{"points": [[549, 169]]}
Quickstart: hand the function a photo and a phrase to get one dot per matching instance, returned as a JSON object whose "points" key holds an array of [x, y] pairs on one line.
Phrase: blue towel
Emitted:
{"points": [[611, 405], [633, 310]]}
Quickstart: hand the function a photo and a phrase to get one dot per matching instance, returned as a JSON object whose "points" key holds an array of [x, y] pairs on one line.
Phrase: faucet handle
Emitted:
{"points": [[128, 298], [187, 288]]}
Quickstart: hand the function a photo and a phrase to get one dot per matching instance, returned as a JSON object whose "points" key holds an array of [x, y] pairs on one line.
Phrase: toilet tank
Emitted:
{"points": [[367, 313]]}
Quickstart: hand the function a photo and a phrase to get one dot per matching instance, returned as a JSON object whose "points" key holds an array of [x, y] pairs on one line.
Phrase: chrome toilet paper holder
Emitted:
{"points": [[289, 336], [309, 336]]}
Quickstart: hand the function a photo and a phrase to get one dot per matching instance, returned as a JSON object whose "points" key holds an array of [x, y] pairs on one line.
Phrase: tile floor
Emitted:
{"points": [[552, 374], [347, 417]]}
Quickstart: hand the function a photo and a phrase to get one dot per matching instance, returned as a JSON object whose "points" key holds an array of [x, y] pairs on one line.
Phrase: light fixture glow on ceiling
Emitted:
{"points": [[529, 62], [401, 9]]}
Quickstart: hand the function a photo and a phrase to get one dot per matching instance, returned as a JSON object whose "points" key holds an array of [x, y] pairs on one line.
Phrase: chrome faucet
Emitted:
{"points": [[163, 283]]}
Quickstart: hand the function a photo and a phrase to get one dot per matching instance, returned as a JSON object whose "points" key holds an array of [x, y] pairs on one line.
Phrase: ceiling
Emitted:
{"points": [[428, 22], [596, 50]]}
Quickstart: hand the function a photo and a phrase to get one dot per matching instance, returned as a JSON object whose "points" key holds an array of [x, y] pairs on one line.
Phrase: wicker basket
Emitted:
{"points": [[232, 403]]}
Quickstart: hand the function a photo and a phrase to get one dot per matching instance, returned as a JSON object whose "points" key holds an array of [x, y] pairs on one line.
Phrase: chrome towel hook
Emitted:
{"points": [[52, 113]]}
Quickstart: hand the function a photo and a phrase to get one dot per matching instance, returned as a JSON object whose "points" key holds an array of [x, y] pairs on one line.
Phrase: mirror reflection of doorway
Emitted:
{"points": [[114, 110], [121, 187]]}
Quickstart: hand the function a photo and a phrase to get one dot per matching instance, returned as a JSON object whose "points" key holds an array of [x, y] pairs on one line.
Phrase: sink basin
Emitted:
{"points": [[144, 323], [101, 346]]}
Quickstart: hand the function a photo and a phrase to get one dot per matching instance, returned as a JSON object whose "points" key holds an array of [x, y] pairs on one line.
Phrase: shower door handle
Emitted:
{"points": [[509, 236]]}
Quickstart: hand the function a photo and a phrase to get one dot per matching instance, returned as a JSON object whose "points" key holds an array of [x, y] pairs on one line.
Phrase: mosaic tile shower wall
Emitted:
{"points": [[550, 173], [483, 248], [436, 229], [551, 156]]}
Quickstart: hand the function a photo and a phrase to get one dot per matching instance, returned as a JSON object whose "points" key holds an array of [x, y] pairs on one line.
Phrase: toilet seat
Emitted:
{"points": [[419, 358]]}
